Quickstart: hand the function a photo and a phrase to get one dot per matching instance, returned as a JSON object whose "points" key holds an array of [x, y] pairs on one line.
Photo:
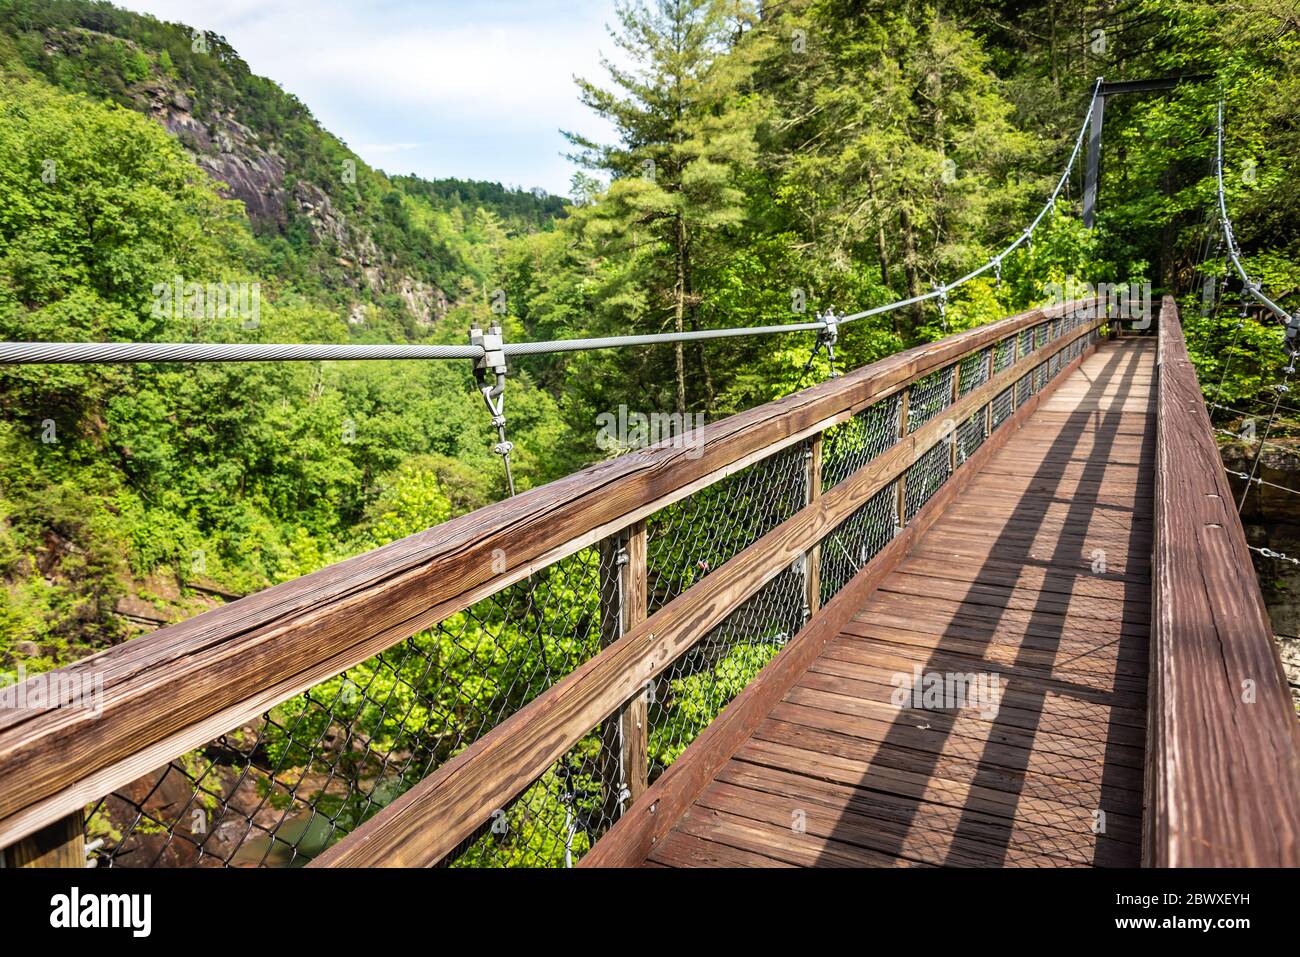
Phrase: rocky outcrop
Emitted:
{"points": [[227, 151], [426, 303], [249, 167]]}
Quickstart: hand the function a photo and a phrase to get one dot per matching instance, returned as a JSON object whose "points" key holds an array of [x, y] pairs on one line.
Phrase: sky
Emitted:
{"points": [[477, 89]]}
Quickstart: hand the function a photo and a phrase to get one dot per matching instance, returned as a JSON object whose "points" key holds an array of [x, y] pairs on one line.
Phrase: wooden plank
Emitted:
{"points": [[1078, 645], [982, 743], [686, 850], [776, 840], [177, 688], [1098, 659], [1135, 568], [1119, 689], [61, 844], [634, 836], [935, 786], [1080, 582], [1084, 704], [1223, 753], [998, 595], [1011, 782], [901, 604], [963, 722], [934, 827], [1018, 708], [842, 825]]}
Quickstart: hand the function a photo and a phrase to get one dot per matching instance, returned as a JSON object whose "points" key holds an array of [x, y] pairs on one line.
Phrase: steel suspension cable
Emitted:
{"points": [[1251, 286], [1026, 235], [21, 353], [1253, 289]]}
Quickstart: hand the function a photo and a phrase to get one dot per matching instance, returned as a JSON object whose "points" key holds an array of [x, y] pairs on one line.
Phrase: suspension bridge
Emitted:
{"points": [[984, 602]]}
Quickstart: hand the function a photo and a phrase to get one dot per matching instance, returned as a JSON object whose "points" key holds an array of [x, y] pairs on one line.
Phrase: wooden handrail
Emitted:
{"points": [[421, 826], [176, 689], [1223, 744]]}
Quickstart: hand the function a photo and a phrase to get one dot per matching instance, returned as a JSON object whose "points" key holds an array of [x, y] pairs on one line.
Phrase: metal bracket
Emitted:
{"points": [[826, 339], [490, 372]]}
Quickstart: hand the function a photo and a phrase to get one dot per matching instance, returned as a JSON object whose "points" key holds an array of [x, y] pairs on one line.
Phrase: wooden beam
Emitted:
{"points": [[625, 744], [1092, 171], [1153, 85], [432, 818], [1223, 745]]}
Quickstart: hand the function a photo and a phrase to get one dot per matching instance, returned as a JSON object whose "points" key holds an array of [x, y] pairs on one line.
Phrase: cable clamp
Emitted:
{"points": [[830, 335], [490, 372], [827, 337]]}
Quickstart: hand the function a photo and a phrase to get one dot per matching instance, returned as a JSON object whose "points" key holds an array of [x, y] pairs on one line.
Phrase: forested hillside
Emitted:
{"points": [[820, 154]]}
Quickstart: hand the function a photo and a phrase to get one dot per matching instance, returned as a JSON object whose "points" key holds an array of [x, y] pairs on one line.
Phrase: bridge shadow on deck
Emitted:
{"points": [[1036, 581], [1038, 574]]}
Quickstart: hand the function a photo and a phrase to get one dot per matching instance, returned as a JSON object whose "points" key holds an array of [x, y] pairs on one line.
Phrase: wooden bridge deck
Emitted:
{"points": [[1039, 573], [1091, 539]]}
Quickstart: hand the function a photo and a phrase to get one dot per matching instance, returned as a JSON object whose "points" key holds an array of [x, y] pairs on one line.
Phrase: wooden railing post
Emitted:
{"points": [[625, 747], [61, 844], [812, 558]]}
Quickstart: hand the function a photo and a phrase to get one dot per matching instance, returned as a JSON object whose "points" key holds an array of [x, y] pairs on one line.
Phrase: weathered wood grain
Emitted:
{"points": [[61, 844], [1223, 751]]}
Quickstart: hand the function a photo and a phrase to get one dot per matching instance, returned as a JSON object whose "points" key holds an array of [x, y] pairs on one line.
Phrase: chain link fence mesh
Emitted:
{"points": [[857, 540], [971, 435], [852, 444], [279, 790], [928, 396], [692, 537]]}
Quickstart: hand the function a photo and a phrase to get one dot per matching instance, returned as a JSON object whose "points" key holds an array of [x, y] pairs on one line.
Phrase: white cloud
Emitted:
{"points": [[481, 82]]}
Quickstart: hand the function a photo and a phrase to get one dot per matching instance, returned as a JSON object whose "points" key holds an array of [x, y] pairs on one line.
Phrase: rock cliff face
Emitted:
{"points": [[251, 168], [1271, 517], [227, 150]]}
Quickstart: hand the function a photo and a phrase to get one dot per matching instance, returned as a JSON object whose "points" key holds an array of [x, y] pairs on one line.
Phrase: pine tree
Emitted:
{"points": [[686, 129]]}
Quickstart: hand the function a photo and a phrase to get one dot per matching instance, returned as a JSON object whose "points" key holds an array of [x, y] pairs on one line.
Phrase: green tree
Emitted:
{"points": [[687, 125]]}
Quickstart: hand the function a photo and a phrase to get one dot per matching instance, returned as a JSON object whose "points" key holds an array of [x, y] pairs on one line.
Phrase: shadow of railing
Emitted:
{"points": [[1027, 779]]}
